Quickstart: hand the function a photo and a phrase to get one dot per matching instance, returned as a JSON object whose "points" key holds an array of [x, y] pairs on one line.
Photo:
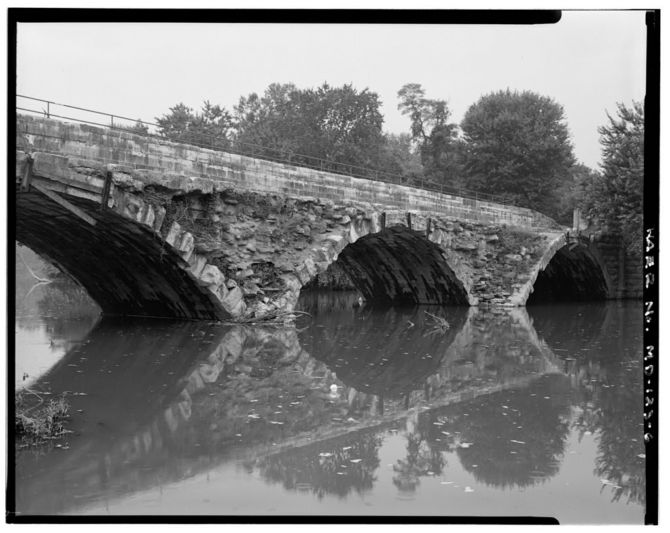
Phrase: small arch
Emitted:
{"points": [[573, 272], [399, 266]]}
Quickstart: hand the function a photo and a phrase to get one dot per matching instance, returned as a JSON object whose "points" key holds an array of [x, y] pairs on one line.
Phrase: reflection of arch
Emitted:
{"points": [[389, 353], [569, 270], [401, 266]]}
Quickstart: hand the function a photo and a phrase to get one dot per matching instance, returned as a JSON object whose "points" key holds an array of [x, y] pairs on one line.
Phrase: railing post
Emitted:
{"points": [[48, 110]]}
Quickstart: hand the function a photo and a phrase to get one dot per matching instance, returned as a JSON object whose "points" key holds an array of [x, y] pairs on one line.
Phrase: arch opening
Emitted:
{"points": [[572, 275], [126, 268], [398, 267]]}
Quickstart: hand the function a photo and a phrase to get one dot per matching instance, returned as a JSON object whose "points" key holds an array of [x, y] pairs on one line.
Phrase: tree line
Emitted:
{"points": [[514, 145]]}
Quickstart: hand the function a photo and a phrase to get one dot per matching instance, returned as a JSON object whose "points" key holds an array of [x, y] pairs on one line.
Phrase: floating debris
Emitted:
{"points": [[325, 454], [465, 444], [253, 415], [469, 489], [276, 422], [355, 460], [641, 455], [446, 482], [517, 441], [346, 448]]}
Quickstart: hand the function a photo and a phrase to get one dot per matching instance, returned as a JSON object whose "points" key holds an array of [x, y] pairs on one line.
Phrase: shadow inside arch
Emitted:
{"points": [[399, 266], [574, 274]]}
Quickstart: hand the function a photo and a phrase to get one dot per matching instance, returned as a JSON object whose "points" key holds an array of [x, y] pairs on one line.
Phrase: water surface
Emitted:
{"points": [[354, 411]]}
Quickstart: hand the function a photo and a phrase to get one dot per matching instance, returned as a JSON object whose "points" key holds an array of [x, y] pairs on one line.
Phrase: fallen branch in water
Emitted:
{"points": [[274, 319], [440, 325]]}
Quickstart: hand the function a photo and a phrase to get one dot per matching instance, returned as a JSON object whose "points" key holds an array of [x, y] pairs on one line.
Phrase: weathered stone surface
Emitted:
{"points": [[234, 302], [211, 275], [296, 223], [173, 234], [186, 245]]}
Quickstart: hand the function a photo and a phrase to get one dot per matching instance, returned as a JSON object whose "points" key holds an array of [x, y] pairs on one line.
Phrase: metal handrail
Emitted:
{"points": [[261, 152]]}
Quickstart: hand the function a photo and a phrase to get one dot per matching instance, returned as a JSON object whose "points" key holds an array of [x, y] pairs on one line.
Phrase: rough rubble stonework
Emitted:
{"points": [[189, 232]]}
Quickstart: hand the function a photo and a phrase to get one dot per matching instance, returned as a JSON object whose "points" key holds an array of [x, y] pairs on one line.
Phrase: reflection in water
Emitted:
{"points": [[610, 390], [312, 409]]}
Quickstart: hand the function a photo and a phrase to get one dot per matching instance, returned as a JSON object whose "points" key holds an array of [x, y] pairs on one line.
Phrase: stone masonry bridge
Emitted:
{"points": [[154, 228]]}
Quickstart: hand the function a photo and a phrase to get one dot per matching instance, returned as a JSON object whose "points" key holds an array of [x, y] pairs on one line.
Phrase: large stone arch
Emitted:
{"points": [[129, 258], [571, 269]]}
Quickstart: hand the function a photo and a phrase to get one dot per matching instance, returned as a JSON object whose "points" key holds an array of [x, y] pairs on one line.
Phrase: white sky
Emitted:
{"points": [[587, 62]]}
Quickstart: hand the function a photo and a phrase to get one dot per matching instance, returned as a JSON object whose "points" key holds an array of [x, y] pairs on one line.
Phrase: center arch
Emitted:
{"points": [[399, 266]]}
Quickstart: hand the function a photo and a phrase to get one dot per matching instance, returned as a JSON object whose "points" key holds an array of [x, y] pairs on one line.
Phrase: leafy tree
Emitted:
{"points": [[339, 124], [572, 192], [212, 127], [614, 199], [432, 133], [139, 128], [399, 157], [518, 147]]}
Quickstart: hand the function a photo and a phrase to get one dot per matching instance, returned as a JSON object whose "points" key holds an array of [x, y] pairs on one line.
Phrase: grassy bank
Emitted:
{"points": [[39, 418]]}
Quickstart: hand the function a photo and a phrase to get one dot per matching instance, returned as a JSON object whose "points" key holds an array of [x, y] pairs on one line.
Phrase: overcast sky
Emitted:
{"points": [[587, 62]]}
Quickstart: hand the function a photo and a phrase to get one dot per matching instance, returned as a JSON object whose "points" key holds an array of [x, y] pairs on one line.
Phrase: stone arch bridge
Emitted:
{"points": [[154, 228]]}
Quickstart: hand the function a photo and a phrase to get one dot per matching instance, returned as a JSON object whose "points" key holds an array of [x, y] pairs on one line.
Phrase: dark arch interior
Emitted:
{"points": [[122, 265], [572, 275], [399, 266]]}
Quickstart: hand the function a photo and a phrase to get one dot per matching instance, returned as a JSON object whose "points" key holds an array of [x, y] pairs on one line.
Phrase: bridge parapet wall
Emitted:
{"points": [[164, 163]]}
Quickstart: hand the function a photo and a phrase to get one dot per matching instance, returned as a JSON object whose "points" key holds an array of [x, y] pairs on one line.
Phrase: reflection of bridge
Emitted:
{"points": [[154, 228], [150, 411]]}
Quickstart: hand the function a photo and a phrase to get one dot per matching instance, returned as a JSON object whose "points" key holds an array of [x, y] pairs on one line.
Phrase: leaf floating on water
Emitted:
{"points": [[445, 433]]}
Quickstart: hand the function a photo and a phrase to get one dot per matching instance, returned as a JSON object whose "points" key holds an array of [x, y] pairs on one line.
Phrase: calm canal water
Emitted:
{"points": [[530, 412]]}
